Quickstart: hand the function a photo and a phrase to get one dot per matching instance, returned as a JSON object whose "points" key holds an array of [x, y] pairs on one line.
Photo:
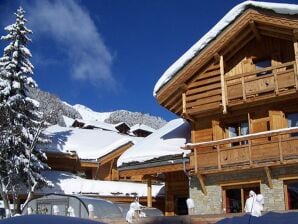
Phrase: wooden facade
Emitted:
{"points": [[104, 168], [240, 95]]}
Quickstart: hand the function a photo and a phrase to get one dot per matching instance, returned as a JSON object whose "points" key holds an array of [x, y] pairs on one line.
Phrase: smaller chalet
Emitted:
{"points": [[159, 157], [93, 152]]}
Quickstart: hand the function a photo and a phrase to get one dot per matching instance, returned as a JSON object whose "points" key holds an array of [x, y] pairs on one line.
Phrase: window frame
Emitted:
{"points": [[286, 182], [241, 186]]}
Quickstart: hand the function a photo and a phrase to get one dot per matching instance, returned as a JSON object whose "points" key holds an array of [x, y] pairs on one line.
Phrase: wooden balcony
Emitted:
{"points": [[270, 148], [262, 84]]}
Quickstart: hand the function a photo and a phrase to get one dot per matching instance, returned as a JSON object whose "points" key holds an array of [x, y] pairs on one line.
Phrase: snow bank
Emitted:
{"points": [[165, 141], [280, 8]]}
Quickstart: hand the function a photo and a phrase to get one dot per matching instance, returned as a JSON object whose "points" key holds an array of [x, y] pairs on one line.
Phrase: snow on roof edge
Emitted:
{"points": [[281, 8]]}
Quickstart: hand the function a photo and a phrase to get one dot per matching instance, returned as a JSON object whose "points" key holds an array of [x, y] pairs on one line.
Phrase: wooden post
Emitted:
{"points": [[249, 151], [296, 56], [196, 160], [243, 88], [202, 183], [269, 177], [149, 193], [280, 149], [275, 82], [184, 103], [223, 85], [218, 157]]}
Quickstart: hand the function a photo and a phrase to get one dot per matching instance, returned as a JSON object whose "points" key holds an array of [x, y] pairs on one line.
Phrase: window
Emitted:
{"points": [[235, 197], [293, 122], [291, 194], [238, 129], [261, 64]]}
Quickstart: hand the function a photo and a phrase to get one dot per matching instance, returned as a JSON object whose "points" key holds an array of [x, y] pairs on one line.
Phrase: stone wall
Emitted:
{"points": [[212, 202]]}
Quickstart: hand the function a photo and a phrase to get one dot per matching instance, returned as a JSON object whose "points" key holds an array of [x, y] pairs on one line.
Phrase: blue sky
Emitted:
{"points": [[108, 54]]}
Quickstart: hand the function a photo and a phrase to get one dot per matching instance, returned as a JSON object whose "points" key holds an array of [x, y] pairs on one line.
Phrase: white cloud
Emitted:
{"points": [[72, 28]]}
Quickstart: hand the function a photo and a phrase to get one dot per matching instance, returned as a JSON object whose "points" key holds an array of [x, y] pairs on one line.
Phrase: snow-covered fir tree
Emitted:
{"points": [[21, 162]]}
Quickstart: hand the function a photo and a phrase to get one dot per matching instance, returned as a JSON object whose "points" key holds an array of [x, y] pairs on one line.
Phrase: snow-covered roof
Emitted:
{"points": [[142, 127], [280, 8], [68, 121], [68, 183], [165, 141], [98, 124], [88, 143]]}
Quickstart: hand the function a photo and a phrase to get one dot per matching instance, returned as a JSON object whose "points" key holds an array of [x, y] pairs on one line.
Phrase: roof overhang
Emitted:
{"points": [[154, 167]]}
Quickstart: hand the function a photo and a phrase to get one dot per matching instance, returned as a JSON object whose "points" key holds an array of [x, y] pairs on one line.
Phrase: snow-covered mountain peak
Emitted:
{"points": [[90, 115]]}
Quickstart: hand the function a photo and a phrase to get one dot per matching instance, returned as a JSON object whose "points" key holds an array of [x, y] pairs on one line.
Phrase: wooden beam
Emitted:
{"points": [[296, 56], [149, 193], [223, 85], [202, 183], [269, 177], [255, 30], [216, 57], [183, 103], [111, 169]]}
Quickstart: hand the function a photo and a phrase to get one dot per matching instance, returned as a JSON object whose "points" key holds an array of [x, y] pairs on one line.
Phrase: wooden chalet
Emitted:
{"points": [[93, 154], [238, 88]]}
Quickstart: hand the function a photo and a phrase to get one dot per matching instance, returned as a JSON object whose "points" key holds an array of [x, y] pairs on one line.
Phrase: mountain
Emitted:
{"points": [[90, 115], [55, 109]]}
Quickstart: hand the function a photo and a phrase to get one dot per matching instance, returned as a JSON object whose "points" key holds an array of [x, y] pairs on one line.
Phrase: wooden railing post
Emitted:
{"points": [[296, 56], [249, 151], [275, 83], [196, 160], [218, 157], [243, 88], [280, 149]]}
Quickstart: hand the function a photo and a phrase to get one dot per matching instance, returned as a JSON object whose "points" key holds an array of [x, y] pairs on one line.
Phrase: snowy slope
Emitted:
{"points": [[90, 115], [280, 8]]}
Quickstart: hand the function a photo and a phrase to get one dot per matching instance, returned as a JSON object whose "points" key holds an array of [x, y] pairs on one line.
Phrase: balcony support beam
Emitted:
{"points": [[223, 85], [269, 176], [202, 183], [296, 56]]}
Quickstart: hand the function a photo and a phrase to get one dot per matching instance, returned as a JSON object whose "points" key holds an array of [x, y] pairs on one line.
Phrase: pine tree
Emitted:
{"points": [[21, 161]]}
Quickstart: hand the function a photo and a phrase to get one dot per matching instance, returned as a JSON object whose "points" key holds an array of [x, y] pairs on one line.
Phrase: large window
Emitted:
{"points": [[235, 196], [291, 194], [238, 129], [293, 122]]}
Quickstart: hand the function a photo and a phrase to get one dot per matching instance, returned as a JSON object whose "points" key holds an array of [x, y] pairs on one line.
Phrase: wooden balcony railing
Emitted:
{"points": [[262, 83], [254, 150]]}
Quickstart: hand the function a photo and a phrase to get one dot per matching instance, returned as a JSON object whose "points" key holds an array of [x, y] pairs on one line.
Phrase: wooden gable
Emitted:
{"points": [[199, 87]]}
